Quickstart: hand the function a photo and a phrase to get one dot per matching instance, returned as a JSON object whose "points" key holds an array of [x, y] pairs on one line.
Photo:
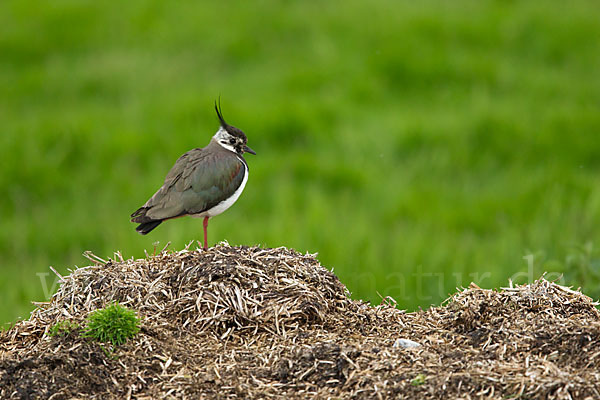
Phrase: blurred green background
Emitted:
{"points": [[416, 146]]}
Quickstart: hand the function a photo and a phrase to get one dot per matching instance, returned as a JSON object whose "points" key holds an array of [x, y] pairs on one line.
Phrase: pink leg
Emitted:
{"points": [[205, 225]]}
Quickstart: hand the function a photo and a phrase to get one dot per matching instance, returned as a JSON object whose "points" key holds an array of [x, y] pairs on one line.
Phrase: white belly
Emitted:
{"points": [[225, 204]]}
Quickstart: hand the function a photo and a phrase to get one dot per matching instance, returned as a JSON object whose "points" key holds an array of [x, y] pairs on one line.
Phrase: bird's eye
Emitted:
{"points": [[232, 141]]}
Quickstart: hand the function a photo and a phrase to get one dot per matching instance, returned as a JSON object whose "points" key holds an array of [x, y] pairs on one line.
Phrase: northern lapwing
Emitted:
{"points": [[202, 183]]}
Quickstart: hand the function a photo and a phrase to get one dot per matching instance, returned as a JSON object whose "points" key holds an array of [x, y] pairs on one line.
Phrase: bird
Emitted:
{"points": [[203, 183]]}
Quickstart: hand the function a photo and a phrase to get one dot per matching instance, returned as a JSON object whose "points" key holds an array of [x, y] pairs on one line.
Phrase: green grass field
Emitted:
{"points": [[416, 146]]}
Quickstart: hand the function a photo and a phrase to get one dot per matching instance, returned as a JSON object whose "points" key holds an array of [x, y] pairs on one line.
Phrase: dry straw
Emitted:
{"points": [[247, 322]]}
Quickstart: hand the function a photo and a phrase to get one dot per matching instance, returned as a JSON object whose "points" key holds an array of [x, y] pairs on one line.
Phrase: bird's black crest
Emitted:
{"points": [[231, 129], [219, 114]]}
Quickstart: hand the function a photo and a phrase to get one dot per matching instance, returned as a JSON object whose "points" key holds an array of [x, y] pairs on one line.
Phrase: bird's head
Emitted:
{"points": [[231, 137]]}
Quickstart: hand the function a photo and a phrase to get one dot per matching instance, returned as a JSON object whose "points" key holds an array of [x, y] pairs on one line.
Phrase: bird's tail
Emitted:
{"points": [[146, 224]]}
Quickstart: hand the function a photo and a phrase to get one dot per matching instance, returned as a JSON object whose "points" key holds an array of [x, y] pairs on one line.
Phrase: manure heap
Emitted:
{"points": [[249, 323]]}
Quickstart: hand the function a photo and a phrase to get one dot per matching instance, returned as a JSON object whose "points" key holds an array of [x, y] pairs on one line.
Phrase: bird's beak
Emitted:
{"points": [[248, 150]]}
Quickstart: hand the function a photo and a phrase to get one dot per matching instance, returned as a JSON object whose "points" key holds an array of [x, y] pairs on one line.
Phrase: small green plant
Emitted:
{"points": [[63, 328], [113, 324], [418, 380]]}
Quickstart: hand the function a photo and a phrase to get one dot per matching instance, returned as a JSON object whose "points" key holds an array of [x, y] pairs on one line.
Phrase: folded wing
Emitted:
{"points": [[198, 181]]}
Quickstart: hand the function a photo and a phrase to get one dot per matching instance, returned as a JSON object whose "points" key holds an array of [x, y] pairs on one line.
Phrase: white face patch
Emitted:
{"points": [[222, 137]]}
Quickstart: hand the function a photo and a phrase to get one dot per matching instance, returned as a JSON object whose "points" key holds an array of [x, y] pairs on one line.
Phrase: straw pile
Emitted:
{"points": [[249, 323]]}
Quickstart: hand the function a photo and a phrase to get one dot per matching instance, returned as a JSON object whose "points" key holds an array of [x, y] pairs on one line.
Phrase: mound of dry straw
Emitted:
{"points": [[247, 322]]}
